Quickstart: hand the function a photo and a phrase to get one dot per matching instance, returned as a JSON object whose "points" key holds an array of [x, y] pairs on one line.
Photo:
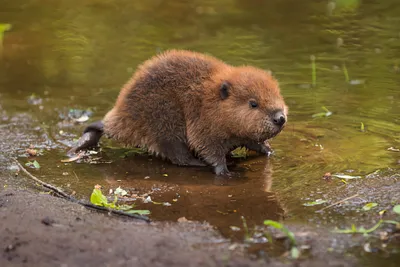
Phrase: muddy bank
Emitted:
{"points": [[41, 230]]}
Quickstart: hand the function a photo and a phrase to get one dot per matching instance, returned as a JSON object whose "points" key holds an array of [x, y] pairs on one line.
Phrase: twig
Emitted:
{"points": [[339, 202], [61, 193]]}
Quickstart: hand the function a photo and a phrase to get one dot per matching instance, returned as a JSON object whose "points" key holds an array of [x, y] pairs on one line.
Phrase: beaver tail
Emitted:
{"points": [[90, 138]]}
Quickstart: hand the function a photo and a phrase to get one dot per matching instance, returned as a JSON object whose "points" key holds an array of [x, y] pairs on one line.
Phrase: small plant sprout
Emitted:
{"points": [[362, 128], [313, 71], [346, 73], [294, 251]]}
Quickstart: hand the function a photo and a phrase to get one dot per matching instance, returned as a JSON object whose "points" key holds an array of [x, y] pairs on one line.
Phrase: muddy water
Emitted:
{"points": [[77, 54]]}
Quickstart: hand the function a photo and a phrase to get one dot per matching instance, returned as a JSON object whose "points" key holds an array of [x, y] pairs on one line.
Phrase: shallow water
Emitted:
{"points": [[77, 54]]}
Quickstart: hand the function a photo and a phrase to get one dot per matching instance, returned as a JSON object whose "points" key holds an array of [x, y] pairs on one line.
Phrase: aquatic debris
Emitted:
{"points": [[33, 164], [183, 220], [393, 149], [120, 192], [338, 202], [294, 251], [32, 152], [77, 115], [345, 176], [327, 176], [61, 193], [327, 113], [362, 128], [34, 100], [362, 230], [314, 203], [234, 228], [369, 206], [97, 198], [74, 158], [240, 152], [396, 209], [357, 82]]}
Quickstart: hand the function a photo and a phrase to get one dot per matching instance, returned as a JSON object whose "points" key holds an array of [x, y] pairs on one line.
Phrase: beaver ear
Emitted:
{"points": [[224, 90]]}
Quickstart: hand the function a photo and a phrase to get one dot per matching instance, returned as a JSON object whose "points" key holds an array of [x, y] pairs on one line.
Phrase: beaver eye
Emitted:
{"points": [[253, 104]]}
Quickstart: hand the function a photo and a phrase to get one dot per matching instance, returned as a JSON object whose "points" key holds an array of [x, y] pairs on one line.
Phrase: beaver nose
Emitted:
{"points": [[279, 118]]}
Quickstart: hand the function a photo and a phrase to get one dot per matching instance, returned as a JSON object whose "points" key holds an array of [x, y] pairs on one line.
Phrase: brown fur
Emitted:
{"points": [[174, 106]]}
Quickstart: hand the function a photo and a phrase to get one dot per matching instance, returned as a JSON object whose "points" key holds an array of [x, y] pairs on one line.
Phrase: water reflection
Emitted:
{"points": [[195, 193]]}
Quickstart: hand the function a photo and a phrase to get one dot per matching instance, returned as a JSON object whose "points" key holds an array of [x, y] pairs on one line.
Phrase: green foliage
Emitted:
{"points": [[240, 152], [97, 198], [396, 209], [369, 206], [327, 113], [33, 164], [294, 251], [313, 71], [314, 203], [362, 230]]}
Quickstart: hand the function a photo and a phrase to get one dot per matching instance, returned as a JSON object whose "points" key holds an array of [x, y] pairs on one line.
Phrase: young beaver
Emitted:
{"points": [[193, 109]]}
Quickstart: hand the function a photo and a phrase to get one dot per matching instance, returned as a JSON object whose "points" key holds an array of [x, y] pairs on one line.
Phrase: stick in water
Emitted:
{"points": [[61, 193]]}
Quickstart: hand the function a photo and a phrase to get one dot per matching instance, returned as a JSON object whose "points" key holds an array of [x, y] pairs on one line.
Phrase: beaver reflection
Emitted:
{"points": [[219, 202]]}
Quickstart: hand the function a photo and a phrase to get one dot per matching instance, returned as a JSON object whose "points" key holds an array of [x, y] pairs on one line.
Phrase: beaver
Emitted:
{"points": [[193, 109]]}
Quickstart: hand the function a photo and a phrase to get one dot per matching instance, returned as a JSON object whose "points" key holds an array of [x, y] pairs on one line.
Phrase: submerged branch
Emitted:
{"points": [[64, 195]]}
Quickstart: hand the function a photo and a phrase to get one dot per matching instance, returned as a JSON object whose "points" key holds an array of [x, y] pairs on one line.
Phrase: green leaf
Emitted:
{"points": [[36, 164], [347, 177], [314, 203], [4, 27], [120, 191], [295, 253], [274, 224], [141, 212], [327, 113], [98, 198], [126, 207], [369, 206], [33, 164], [281, 227], [396, 209]]}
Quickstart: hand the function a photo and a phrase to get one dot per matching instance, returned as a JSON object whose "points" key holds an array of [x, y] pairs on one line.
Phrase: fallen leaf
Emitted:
{"points": [[369, 206]]}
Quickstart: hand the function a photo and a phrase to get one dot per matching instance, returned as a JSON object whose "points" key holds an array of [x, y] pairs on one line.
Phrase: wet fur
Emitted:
{"points": [[193, 109]]}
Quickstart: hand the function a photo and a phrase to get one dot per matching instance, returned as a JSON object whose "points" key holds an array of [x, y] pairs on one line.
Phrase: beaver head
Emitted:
{"points": [[250, 104]]}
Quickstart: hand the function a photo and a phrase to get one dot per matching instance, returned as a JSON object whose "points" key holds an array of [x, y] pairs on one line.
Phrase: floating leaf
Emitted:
{"points": [[369, 206], [347, 177], [396, 209], [327, 113], [362, 230], [33, 164], [314, 203], [120, 191]]}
